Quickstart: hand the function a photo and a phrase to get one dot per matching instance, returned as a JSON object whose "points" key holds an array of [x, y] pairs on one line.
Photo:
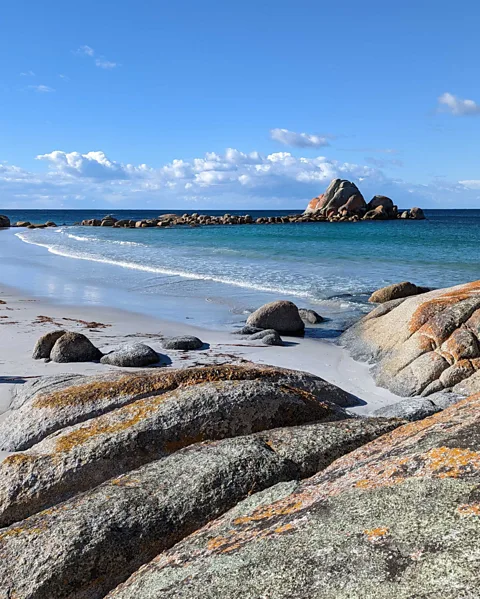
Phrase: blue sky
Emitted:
{"points": [[224, 105]]}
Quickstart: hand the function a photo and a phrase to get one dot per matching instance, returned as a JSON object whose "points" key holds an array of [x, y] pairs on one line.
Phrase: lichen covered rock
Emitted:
{"points": [[74, 347], [398, 517], [133, 355], [424, 343]]}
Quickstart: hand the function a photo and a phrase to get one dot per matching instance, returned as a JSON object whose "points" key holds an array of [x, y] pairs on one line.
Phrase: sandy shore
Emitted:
{"points": [[24, 319]]}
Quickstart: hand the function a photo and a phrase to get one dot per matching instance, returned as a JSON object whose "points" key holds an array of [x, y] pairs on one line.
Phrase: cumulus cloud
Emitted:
{"points": [[42, 89], [232, 179], [456, 106], [102, 63], [298, 140], [85, 51]]}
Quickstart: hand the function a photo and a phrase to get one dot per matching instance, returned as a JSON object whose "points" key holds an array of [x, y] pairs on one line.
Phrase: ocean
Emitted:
{"points": [[215, 275]]}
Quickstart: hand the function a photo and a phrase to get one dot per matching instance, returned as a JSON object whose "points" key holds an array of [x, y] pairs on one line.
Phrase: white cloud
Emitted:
{"points": [[27, 74], [85, 51], [216, 180], [64, 77], [102, 63], [42, 89], [455, 105], [298, 140], [471, 183]]}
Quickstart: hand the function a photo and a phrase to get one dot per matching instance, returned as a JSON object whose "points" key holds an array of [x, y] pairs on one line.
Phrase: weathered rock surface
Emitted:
{"points": [[184, 342], [398, 517], [410, 409], [310, 316], [45, 344], [267, 336], [76, 550], [44, 406], [422, 344], [281, 315], [396, 291], [416, 213], [74, 347], [4, 221], [134, 355], [336, 195], [247, 330], [84, 455]]}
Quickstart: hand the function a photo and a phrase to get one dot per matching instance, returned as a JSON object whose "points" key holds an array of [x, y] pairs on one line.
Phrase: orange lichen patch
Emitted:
{"points": [[236, 539], [469, 509], [280, 508], [109, 424], [433, 307], [149, 384], [16, 531], [446, 462], [284, 528], [19, 459], [374, 535]]}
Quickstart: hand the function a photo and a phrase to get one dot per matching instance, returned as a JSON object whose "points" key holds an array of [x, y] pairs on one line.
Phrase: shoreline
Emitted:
{"points": [[21, 328]]}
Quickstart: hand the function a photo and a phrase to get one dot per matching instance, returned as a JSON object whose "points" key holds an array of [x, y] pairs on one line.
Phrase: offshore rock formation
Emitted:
{"points": [[423, 344], [342, 200], [395, 518]]}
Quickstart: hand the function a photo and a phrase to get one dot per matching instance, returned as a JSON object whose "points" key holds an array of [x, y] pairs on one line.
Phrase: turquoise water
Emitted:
{"points": [[329, 266]]}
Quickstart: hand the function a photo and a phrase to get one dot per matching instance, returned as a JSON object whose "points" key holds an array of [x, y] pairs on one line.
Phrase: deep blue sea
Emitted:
{"points": [[222, 272]]}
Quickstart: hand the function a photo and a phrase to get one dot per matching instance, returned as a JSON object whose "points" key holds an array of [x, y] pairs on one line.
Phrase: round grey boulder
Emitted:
{"points": [[44, 345], [281, 315], [267, 337], [412, 409], [4, 221], [74, 347], [185, 343], [247, 330], [396, 291], [136, 354], [310, 316]]}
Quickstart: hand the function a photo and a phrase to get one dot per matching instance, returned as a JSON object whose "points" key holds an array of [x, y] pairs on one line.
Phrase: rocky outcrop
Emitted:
{"points": [[45, 344], [87, 545], [395, 518], [74, 347], [44, 406], [396, 291], [422, 344], [343, 201], [133, 356], [4, 221], [184, 343], [337, 195], [84, 455], [281, 315]]}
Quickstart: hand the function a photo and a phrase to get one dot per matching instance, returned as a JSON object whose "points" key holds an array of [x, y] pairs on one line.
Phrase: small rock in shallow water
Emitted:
{"points": [[136, 354], [247, 330], [45, 344], [185, 343], [267, 337], [310, 316], [74, 347]]}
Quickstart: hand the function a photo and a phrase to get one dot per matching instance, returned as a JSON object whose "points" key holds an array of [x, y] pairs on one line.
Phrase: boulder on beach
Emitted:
{"points": [[45, 344], [423, 343], [74, 347], [310, 316], [43, 406], [282, 315], [247, 330], [183, 342], [396, 291], [23, 223], [4, 221], [133, 355], [267, 337], [397, 517]]}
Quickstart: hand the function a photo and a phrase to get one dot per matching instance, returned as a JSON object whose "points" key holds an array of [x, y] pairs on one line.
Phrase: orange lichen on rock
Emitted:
{"points": [[469, 509], [447, 462], [374, 535], [270, 511]]}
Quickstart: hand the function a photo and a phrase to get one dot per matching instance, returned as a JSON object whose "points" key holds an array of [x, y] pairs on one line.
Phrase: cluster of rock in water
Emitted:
{"points": [[253, 481]]}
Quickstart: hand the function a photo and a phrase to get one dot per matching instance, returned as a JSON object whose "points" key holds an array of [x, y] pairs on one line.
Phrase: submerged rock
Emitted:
{"points": [[184, 342], [45, 344], [424, 343], [74, 347], [134, 355], [281, 315], [395, 518]]}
